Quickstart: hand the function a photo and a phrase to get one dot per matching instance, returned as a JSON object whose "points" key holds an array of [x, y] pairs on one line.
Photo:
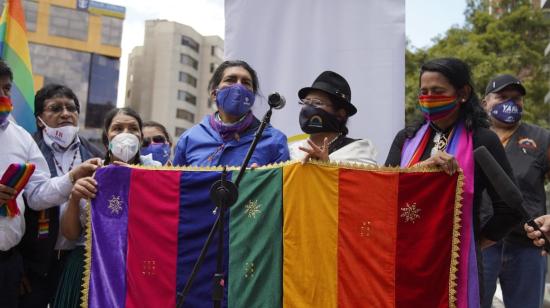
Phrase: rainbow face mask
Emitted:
{"points": [[5, 108], [436, 107]]}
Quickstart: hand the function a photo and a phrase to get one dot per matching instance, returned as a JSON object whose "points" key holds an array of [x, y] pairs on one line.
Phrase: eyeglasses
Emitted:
{"points": [[313, 102], [58, 108], [155, 139]]}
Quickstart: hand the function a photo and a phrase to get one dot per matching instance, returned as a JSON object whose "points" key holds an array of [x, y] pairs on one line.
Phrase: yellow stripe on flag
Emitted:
{"points": [[310, 194], [16, 39]]}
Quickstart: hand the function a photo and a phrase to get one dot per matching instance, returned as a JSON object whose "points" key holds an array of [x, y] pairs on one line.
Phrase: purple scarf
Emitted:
{"points": [[228, 132]]}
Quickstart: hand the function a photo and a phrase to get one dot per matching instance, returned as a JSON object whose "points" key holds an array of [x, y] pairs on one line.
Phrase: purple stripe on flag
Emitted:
{"points": [[109, 238]]}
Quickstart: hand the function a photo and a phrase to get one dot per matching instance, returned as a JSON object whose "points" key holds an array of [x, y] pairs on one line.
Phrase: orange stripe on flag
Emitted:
{"points": [[367, 238], [16, 12], [310, 201]]}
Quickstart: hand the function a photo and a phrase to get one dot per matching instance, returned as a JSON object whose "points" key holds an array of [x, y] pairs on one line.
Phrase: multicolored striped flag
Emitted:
{"points": [[299, 236], [14, 50], [16, 177]]}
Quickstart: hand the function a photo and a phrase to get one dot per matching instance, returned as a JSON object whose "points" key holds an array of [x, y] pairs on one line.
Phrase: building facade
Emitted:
{"points": [[77, 43], [168, 76]]}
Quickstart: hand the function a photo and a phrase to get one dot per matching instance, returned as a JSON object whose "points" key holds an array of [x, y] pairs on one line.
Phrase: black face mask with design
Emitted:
{"points": [[316, 120]]}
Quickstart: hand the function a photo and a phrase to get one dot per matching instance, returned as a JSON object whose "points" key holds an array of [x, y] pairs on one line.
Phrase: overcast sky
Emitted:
{"points": [[425, 19]]}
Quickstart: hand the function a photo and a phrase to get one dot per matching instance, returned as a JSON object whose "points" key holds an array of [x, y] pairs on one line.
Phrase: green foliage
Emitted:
{"points": [[512, 42]]}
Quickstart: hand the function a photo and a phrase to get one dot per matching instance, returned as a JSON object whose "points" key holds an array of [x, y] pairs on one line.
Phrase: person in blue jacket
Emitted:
{"points": [[223, 138]]}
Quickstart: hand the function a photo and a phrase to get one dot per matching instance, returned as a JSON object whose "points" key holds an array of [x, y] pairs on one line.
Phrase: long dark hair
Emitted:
{"points": [[458, 74], [218, 74], [108, 120]]}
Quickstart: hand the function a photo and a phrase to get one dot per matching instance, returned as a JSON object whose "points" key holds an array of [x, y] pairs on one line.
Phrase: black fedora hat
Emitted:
{"points": [[334, 85]]}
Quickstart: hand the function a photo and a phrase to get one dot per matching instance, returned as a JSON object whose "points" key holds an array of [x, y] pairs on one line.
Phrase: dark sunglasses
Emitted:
{"points": [[58, 108], [155, 139]]}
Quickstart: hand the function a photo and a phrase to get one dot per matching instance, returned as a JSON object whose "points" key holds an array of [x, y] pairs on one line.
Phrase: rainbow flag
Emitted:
{"points": [[14, 50], [16, 176], [299, 236]]}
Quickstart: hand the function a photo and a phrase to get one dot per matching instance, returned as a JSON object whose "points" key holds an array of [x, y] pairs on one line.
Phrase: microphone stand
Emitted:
{"points": [[224, 194]]}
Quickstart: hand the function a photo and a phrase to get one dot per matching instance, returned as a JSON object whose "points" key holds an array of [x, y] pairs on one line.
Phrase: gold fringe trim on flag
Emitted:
{"points": [[456, 240], [87, 257], [329, 164]]}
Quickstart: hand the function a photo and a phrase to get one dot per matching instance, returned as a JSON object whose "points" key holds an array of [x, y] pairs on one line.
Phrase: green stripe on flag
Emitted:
{"points": [[22, 75], [255, 241], [3, 32]]}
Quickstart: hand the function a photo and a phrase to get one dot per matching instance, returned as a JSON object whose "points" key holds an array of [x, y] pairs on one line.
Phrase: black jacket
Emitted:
{"points": [[37, 252]]}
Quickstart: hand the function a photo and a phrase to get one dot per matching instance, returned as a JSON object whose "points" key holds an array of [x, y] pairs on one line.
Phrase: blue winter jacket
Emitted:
{"points": [[201, 145]]}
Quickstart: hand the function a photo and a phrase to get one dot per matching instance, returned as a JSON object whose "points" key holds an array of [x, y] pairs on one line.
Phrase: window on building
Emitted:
{"points": [[179, 131], [68, 23], [187, 78], [188, 97], [185, 115], [31, 14], [213, 67], [188, 60], [216, 51], [102, 93], [189, 42], [47, 61], [111, 31]]}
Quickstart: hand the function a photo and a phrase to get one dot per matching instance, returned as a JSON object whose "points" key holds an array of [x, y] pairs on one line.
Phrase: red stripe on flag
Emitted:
{"points": [[366, 238], [424, 239], [16, 12], [152, 238]]}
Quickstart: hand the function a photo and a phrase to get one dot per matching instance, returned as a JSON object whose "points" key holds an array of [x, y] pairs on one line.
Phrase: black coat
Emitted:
{"points": [[37, 253]]}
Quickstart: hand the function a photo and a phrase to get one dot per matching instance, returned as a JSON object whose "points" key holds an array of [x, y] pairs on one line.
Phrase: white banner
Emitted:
{"points": [[290, 42]]}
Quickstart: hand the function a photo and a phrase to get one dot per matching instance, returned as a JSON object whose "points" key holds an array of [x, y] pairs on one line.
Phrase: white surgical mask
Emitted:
{"points": [[63, 135], [124, 146]]}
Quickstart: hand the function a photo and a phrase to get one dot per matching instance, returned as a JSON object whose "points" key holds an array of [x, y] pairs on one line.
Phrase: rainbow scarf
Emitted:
{"points": [[14, 50], [5, 108], [435, 107], [299, 236], [460, 145], [16, 176]]}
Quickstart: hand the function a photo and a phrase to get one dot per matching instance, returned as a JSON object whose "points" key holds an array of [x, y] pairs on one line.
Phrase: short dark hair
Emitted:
{"points": [[159, 126], [459, 75], [218, 74], [5, 70], [50, 91], [109, 119]]}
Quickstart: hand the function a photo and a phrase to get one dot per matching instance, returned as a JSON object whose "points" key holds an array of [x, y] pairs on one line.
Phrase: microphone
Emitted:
{"points": [[276, 100], [505, 187]]}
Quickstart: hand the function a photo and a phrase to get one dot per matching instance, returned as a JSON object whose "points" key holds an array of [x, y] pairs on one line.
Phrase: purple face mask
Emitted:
{"points": [[160, 151], [235, 100], [508, 112]]}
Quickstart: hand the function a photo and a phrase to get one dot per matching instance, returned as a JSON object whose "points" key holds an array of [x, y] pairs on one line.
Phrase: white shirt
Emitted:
{"points": [[17, 146], [360, 151], [66, 158]]}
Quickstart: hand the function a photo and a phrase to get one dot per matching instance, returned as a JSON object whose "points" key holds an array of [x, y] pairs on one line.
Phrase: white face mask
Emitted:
{"points": [[124, 146], [63, 135]]}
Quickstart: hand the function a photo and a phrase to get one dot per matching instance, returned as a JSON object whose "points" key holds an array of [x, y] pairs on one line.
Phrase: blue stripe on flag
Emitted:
{"points": [[196, 220]]}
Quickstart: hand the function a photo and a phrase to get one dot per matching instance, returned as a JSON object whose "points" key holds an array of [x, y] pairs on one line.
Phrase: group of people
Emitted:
{"points": [[42, 249]]}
